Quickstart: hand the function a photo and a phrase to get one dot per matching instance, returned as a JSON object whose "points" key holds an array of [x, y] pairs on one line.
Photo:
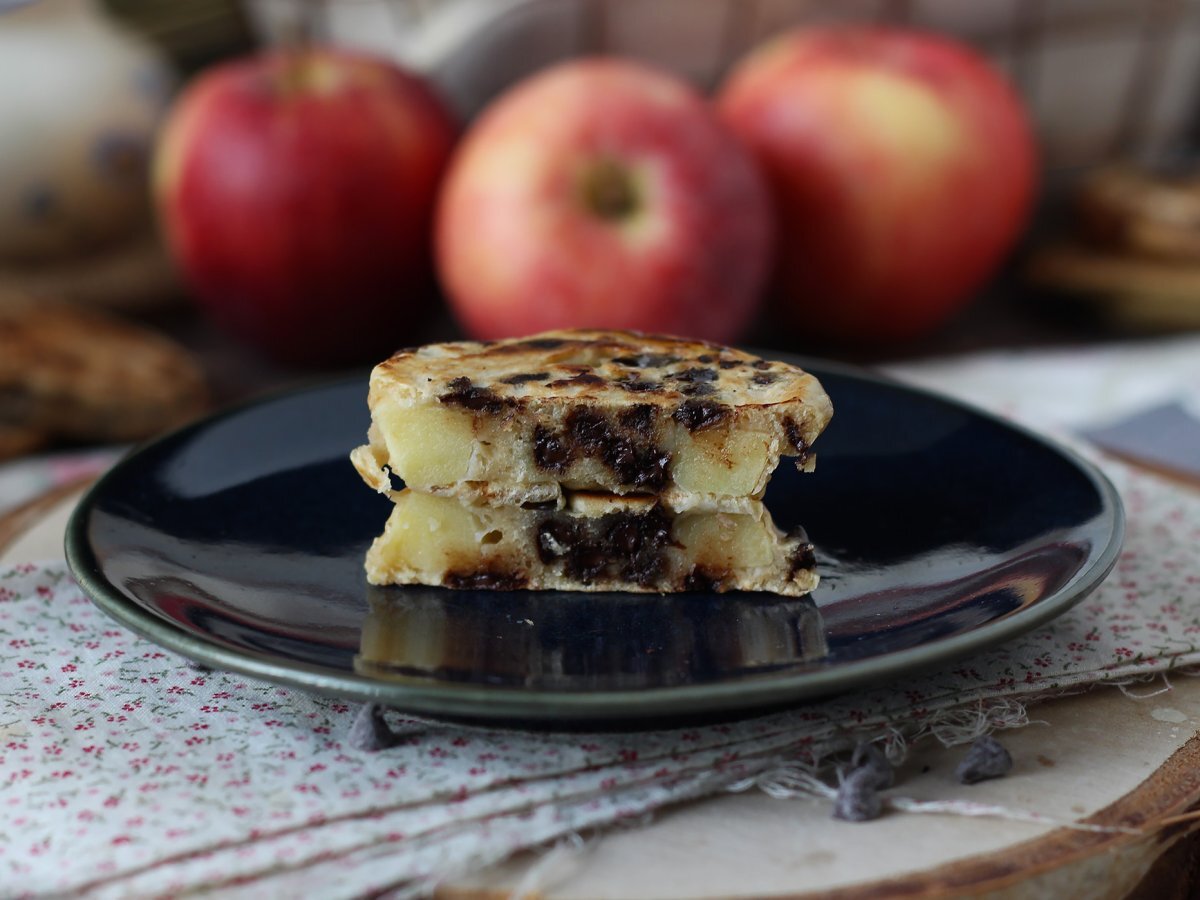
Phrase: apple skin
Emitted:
{"points": [[296, 191], [902, 167], [603, 193]]}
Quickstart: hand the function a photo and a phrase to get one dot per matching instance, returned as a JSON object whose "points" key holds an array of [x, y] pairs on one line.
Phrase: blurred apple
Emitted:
{"points": [[296, 190], [902, 168], [603, 193]]}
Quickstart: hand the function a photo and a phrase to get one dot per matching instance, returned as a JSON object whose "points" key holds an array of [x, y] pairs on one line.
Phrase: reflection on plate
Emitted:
{"points": [[940, 531], [544, 640]]}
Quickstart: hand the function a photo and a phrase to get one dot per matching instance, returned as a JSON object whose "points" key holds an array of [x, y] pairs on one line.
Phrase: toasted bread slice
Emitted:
{"points": [[517, 421], [594, 543]]}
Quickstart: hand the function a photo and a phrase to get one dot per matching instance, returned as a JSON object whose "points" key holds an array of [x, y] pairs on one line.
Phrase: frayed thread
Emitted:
{"points": [[798, 783], [1123, 686], [962, 725]]}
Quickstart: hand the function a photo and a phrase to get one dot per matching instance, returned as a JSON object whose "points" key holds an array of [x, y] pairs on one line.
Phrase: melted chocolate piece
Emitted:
{"points": [[525, 377], [696, 415], [640, 419], [792, 430], [765, 378], [703, 389], [640, 464], [550, 451], [461, 392], [761, 364], [621, 545], [704, 358], [485, 580], [732, 363]]}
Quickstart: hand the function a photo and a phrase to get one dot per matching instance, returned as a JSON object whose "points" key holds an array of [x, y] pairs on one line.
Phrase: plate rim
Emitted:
{"points": [[503, 703]]}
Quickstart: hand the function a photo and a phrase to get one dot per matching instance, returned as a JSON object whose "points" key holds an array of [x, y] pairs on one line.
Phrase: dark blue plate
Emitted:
{"points": [[940, 530]]}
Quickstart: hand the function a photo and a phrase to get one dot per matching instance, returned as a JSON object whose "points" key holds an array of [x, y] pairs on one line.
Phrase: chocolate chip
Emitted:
{"points": [[696, 415], [550, 451], [543, 343], [704, 358], [792, 430], [764, 378], [556, 537], [987, 758], [761, 364], [732, 363], [698, 390], [524, 377], [461, 392]]}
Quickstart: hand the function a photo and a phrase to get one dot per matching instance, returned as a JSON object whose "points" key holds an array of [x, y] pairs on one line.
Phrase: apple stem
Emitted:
{"points": [[608, 190]]}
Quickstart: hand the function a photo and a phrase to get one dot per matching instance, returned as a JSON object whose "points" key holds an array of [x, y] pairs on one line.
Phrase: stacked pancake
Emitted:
{"points": [[587, 460]]}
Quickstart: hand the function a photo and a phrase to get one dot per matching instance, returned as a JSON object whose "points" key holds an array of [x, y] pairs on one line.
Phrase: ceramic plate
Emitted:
{"points": [[940, 530]]}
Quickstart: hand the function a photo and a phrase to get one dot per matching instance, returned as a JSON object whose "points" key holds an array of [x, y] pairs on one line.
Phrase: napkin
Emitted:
{"points": [[125, 772]]}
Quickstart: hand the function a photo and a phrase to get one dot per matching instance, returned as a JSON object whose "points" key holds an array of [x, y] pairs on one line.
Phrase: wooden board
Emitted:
{"points": [[1100, 757]]}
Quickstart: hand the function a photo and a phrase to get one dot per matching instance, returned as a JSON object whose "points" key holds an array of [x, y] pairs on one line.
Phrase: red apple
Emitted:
{"points": [[902, 168], [603, 193], [296, 190]]}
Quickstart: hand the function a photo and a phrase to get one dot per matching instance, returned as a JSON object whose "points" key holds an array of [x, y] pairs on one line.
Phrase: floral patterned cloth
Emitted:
{"points": [[123, 772]]}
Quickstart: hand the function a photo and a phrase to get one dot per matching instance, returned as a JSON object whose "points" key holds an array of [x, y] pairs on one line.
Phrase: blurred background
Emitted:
{"points": [[1109, 249]]}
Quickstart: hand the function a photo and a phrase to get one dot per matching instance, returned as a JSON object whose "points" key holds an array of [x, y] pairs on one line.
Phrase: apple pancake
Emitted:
{"points": [[518, 421], [593, 542]]}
